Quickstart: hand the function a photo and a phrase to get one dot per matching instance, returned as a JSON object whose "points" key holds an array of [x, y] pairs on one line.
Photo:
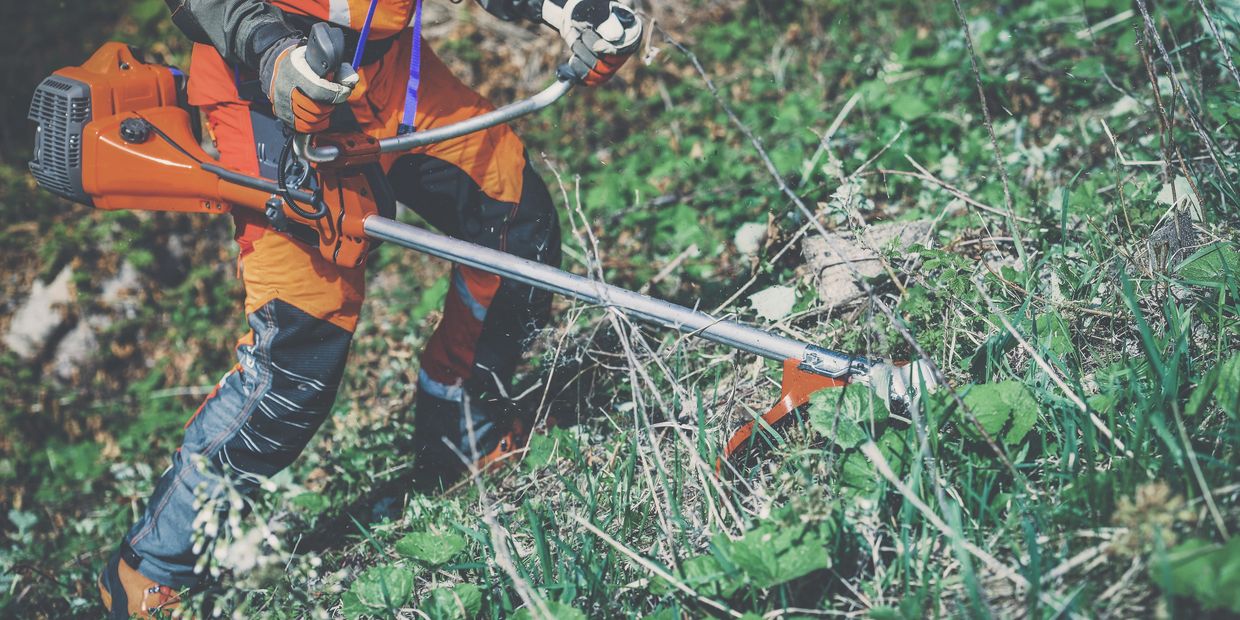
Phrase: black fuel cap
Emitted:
{"points": [[135, 130]]}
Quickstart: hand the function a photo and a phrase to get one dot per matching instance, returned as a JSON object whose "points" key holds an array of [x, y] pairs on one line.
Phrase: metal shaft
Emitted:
{"points": [[633, 304]]}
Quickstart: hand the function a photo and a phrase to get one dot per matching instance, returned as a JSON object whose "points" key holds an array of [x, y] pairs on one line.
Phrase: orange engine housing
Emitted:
{"points": [[112, 135], [92, 147]]}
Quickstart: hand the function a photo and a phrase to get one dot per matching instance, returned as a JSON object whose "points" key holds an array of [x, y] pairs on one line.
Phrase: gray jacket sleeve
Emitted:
{"points": [[240, 29], [513, 10]]}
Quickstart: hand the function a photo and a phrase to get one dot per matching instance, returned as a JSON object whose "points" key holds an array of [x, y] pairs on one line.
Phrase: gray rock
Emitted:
{"points": [[76, 349], [835, 278], [117, 293], [40, 316], [1175, 239]]}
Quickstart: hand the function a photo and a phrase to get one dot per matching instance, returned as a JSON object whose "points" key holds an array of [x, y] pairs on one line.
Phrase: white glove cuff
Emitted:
{"points": [[614, 35], [559, 15]]}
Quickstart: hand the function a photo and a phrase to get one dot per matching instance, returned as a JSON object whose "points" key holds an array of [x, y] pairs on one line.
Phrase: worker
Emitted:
{"points": [[250, 76]]}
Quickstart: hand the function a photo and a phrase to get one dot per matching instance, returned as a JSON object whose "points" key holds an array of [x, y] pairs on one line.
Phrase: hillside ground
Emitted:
{"points": [[1068, 169]]}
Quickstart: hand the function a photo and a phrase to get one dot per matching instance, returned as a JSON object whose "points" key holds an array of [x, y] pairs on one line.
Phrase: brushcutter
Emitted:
{"points": [[114, 133]]}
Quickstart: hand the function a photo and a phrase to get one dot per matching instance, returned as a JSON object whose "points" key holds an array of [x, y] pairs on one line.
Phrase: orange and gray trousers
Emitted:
{"points": [[302, 309]]}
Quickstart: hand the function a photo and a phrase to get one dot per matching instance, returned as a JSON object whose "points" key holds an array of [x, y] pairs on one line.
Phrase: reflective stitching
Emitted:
{"points": [[315, 383], [439, 390], [264, 342], [338, 12], [245, 437], [278, 445], [272, 416], [458, 282], [291, 406], [245, 475]]}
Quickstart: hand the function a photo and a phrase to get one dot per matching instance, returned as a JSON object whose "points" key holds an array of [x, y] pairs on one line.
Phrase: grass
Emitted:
{"points": [[1082, 463]]}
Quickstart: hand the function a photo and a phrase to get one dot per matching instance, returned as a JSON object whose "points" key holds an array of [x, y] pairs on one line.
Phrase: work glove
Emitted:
{"points": [[602, 35], [300, 97]]}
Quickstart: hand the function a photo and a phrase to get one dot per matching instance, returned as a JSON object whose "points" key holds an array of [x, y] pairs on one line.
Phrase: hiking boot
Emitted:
{"points": [[498, 432], [127, 593]]}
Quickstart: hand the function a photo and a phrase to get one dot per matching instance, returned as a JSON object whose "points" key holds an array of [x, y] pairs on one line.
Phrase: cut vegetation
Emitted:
{"points": [[1048, 208]]}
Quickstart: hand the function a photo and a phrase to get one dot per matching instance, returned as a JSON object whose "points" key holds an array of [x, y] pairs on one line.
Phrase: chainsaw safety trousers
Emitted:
{"points": [[301, 310]]}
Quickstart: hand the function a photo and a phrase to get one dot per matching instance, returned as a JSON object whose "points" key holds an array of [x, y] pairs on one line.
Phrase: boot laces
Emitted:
{"points": [[164, 596]]}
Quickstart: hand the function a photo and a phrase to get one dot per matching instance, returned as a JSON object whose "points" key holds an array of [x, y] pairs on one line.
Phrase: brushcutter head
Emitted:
{"points": [[901, 386]]}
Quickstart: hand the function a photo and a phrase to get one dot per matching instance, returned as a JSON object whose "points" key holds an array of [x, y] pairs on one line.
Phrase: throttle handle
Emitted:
{"points": [[324, 49]]}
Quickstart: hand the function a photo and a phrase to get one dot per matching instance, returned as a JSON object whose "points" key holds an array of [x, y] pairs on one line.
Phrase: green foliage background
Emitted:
{"points": [[1091, 456]]}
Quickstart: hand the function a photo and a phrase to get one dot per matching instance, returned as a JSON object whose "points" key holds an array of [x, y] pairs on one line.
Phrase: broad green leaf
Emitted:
{"points": [[1222, 385], [772, 553], [885, 613], [859, 473], [431, 548], [1089, 67], [538, 452], [1206, 572], [377, 591], [845, 416], [544, 448], [910, 106], [1007, 404], [1216, 263], [23, 520], [559, 611], [702, 573], [663, 613], [1102, 403], [1053, 333], [311, 502], [459, 602], [431, 300]]}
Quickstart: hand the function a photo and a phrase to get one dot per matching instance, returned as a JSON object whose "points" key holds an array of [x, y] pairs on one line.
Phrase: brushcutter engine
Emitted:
{"points": [[114, 134], [77, 103]]}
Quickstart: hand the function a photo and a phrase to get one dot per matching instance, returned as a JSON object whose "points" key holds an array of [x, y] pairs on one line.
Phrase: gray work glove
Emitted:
{"points": [[299, 96], [602, 34]]}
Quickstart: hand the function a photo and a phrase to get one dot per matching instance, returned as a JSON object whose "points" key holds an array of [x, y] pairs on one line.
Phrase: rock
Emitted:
{"points": [[1175, 237], [835, 279], [117, 293], [750, 237], [774, 303], [176, 247], [1179, 194], [40, 316], [77, 348]]}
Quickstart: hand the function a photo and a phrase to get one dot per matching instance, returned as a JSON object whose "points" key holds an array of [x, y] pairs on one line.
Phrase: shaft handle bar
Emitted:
{"points": [[303, 147]]}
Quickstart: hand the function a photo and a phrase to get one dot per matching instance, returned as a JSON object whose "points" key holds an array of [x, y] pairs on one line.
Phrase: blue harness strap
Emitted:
{"points": [[415, 74], [415, 63], [365, 34]]}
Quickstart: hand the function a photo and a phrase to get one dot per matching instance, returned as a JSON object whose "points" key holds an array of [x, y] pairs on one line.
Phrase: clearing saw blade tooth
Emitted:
{"points": [[902, 387]]}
